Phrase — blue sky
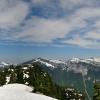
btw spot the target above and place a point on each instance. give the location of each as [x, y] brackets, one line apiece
[49, 29]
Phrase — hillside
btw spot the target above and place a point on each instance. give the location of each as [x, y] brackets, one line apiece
[72, 72]
[34, 76]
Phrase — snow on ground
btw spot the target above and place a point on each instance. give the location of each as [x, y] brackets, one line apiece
[25, 75]
[20, 92]
[7, 79]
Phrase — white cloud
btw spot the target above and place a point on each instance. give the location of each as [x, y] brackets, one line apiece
[95, 32]
[79, 42]
[87, 12]
[93, 35]
[88, 39]
[39, 2]
[78, 69]
[70, 4]
[12, 13]
[84, 42]
[45, 30]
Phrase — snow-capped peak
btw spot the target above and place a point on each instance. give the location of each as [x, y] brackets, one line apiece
[57, 61]
[42, 61]
[94, 59]
[87, 60]
[3, 63]
[75, 60]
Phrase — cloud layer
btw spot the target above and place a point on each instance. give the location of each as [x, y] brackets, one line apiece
[61, 22]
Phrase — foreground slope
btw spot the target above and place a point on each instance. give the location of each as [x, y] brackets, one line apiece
[20, 92]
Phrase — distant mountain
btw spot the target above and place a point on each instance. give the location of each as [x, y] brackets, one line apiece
[48, 63]
[65, 62]
[69, 65]
[88, 60]
[3, 64]
[72, 71]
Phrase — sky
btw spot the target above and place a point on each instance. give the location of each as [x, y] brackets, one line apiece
[49, 29]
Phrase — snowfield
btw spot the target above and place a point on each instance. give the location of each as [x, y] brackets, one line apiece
[20, 92]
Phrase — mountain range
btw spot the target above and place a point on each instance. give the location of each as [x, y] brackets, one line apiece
[33, 74]
[76, 73]
[72, 72]
[3, 64]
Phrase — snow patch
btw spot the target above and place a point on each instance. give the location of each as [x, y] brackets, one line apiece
[26, 75]
[75, 60]
[20, 92]
[47, 64]
[7, 79]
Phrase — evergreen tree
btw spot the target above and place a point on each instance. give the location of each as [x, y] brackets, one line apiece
[2, 78]
[19, 73]
[96, 95]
